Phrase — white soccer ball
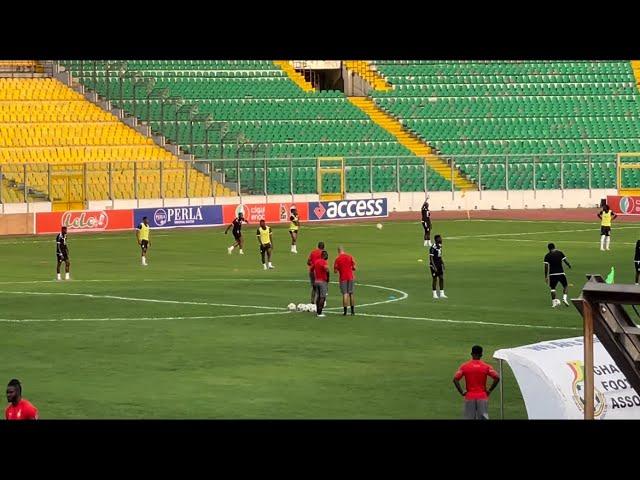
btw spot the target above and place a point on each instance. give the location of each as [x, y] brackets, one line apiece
[379, 226]
[301, 307]
[313, 308]
[292, 307]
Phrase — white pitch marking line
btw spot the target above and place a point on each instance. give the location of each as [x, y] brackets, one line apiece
[135, 319]
[486, 235]
[465, 322]
[74, 239]
[150, 300]
[563, 241]
[403, 295]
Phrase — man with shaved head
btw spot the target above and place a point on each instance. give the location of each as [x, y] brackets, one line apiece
[344, 265]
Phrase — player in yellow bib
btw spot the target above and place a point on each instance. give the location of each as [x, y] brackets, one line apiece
[294, 226]
[265, 240]
[605, 216]
[142, 235]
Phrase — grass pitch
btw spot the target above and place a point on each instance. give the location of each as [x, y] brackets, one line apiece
[203, 334]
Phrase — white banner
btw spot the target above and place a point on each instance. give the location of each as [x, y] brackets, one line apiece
[316, 64]
[551, 379]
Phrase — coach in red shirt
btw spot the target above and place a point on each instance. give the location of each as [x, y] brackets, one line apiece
[475, 373]
[19, 408]
[313, 256]
[321, 275]
[344, 265]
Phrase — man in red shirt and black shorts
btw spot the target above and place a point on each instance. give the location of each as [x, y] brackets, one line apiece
[313, 256]
[344, 265]
[19, 408]
[321, 275]
[475, 373]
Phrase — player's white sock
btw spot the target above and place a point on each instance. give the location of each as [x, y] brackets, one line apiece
[264, 266]
[241, 252]
[144, 260]
[294, 249]
[270, 265]
[230, 249]
[66, 276]
[429, 243]
[60, 278]
[435, 294]
[426, 243]
[606, 242]
[565, 300]
[602, 237]
[442, 295]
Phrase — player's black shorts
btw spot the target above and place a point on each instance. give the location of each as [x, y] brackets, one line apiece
[265, 247]
[237, 235]
[144, 244]
[62, 257]
[637, 265]
[438, 271]
[605, 231]
[426, 226]
[555, 279]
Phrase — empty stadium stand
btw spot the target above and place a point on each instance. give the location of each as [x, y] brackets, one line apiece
[60, 145]
[274, 115]
[566, 116]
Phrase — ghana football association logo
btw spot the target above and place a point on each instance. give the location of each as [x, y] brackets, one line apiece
[577, 389]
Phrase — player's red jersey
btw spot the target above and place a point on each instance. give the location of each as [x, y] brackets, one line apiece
[24, 410]
[313, 256]
[320, 270]
[344, 264]
[475, 373]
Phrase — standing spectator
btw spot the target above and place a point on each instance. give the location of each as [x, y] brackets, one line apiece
[475, 373]
[19, 408]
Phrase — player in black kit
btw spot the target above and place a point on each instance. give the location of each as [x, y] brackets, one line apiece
[237, 233]
[436, 264]
[426, 223]
[62, 253]
[554, 274]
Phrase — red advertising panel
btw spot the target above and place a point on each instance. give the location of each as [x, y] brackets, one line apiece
[84, 221]
[271, 212]
[624, 205]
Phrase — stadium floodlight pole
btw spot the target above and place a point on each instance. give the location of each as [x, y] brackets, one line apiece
[207, 120]
[155, 93]
[138, 81]
[122, 73]
[187, 110]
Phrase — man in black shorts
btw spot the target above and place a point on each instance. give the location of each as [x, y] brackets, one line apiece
[62, 253]
[265, 240]
[554, 274]
[436, 264]
[426, 222]
[237, 233]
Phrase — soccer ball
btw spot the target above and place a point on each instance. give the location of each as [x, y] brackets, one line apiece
[313, 308]
[379, 226]
[292, 307]
[301, 307]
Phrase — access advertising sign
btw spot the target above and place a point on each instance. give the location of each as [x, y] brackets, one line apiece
[348, 209]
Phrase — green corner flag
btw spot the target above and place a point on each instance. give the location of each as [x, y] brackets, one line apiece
[612, 274]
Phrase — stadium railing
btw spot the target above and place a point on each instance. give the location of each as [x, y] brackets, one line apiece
[33, 182]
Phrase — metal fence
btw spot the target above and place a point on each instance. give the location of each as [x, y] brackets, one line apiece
[34, 182]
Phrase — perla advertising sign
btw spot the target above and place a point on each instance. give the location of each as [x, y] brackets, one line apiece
[171, 217]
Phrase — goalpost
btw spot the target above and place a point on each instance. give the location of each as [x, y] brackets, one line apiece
[627, 185]
[330, 166]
